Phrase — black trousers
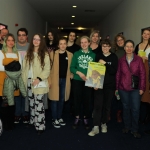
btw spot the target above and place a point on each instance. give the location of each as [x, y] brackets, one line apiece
[81, 96]
[102, 105]
[7, 116]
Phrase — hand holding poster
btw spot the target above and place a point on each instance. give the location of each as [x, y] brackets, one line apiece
[95, 75]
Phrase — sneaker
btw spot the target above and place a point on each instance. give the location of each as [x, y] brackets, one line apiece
[61, 122]
[25, 119]
[17, 119]
[55, 123]
[86, 123]
[104, 128]
[94, 131]
[136, 135]
[76, 123]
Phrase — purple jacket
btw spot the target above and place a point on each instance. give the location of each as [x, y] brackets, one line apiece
[123, 76]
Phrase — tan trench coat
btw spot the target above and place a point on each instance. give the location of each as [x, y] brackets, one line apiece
[54, 77]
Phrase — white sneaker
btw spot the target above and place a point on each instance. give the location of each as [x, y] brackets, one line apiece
[104, 128]
[94, 131]
[61, 122]
[56, 123]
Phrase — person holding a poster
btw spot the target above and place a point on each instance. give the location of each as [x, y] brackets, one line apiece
[81, 93]
[103, 97]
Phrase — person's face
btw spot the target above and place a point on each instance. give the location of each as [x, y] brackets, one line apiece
[72, 37]
[22, 37]
[4, 32]
[94, 75]
[62, 45]
[36, 41]
[120, 41]
[10, 42]
[146, 35]
[105, 48]
[85, 43]
[50, 36]
[129, 48]
[95, 38]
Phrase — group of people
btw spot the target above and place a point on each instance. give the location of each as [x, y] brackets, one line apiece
[56, 70]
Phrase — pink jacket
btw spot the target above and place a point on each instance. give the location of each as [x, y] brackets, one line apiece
[123, 76]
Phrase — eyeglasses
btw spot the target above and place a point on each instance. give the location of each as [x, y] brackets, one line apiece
[36, 40]
[21, 34]
[105, 46]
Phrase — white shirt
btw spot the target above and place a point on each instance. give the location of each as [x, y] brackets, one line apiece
[8, 55]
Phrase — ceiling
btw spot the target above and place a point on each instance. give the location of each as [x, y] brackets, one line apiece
[88, 13]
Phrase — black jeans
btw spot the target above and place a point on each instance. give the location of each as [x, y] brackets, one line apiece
[7, 116]
[81, 95]
[102, 105]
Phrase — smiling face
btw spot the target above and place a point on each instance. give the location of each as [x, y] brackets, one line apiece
[146, 35]
[95, 38]
[129, 48]
[85, 43]
[105, 48]
[120, 41]
[62, 45]
[4, 32]
[10, 42]
[36, 41]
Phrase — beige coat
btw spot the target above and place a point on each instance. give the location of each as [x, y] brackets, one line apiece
[54, 77]
[37, 72]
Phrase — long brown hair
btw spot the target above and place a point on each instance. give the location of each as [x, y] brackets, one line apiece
[41, 51]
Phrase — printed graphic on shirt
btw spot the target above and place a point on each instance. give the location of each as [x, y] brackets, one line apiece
[83, 61]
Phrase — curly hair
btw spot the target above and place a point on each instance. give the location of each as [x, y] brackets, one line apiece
[42, 50]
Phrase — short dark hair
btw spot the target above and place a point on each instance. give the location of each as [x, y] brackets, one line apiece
[23, 30]
[62, 38]
[106, 41]
[129, 41]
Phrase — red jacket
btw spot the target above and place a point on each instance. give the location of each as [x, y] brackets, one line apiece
[123, 76]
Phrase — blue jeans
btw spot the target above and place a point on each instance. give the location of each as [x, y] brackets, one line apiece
[57, 106]
[131, 108]
[20, 106]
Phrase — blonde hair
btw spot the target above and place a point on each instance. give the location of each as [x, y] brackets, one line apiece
[85, 37]
[91, 35]
[4, 48]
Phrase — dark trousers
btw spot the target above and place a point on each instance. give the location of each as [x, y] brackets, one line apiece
[7, 116]
[57, 106]
[131, 108]
[81, 95]
[102, 105]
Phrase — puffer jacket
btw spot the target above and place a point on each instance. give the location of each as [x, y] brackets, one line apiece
[123, 76]
[11, 83]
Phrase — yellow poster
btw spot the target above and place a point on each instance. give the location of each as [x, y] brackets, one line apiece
[95, 75]
[141, 53]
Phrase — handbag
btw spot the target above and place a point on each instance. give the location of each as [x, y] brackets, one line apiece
[4, 101]
[134, 80]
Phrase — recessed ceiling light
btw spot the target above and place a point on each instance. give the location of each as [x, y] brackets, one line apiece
[73, 16]
[72, 23]
[74, 6]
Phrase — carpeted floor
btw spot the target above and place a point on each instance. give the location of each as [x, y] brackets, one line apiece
[66, 138]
